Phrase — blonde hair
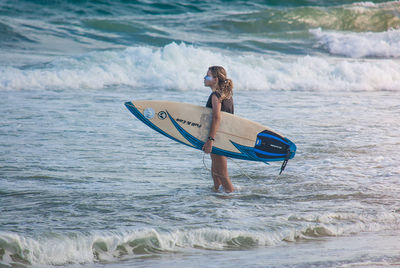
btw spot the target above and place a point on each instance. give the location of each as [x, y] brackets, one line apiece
[225, 85]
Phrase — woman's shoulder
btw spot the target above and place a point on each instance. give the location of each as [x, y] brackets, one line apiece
[216, 93]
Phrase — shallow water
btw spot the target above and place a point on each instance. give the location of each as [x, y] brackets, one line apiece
[84, 183]
[82, 176]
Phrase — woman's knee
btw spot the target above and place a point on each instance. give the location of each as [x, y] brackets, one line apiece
[217, 157]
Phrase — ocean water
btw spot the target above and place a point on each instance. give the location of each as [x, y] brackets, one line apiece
[85, 184]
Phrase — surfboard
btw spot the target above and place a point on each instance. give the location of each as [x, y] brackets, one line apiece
[236, 137]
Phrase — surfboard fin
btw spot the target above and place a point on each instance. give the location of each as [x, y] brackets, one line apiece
[285, 162]
[283, 166]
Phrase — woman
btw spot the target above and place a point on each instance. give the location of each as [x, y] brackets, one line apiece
[219, 100]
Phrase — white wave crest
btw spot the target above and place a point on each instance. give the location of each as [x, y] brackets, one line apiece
[182, 67]
[60, 249]
[360, 45]
[372, 4]
[56, 249]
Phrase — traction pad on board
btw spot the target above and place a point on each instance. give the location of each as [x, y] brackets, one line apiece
[271, 145]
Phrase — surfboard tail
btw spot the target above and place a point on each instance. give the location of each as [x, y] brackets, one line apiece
[273, 147]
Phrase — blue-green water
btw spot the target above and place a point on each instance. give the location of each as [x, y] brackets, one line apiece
[84, 183]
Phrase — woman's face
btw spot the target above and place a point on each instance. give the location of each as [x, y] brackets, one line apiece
[209, 80]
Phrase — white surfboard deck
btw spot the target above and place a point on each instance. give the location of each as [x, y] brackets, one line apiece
[189, 124]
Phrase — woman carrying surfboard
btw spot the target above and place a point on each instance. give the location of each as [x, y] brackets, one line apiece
[219, 100]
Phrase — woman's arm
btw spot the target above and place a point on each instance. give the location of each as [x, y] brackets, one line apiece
[216, 120]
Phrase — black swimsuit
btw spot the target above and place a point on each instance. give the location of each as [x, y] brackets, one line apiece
[226, 105]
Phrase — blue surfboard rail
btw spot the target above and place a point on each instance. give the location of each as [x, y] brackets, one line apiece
[245, 152]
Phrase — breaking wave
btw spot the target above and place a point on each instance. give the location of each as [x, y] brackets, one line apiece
[360, 45]
[181, 67]
[59, 249]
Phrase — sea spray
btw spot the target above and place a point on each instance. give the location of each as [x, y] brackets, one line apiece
[59, 249]
[181, 67]
[360, 45]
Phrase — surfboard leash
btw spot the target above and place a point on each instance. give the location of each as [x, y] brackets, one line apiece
[241, 169]
[243, 173]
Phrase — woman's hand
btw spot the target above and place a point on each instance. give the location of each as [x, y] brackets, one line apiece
[207, 147]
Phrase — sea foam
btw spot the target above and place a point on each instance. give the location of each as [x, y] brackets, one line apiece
[182, 67]
[113, 246]
[360, 45]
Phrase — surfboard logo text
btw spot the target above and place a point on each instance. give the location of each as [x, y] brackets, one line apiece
[189, 123]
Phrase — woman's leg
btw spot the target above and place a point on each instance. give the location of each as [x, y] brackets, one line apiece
[214, 173]
[220, 172]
